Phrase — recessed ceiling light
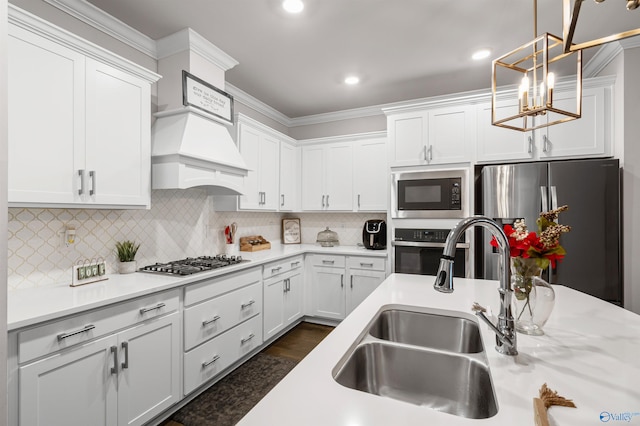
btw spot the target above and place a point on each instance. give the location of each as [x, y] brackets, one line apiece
[293, 6]
[481, 54]
[351, 80]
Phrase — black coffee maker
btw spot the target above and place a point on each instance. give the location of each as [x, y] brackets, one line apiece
[374, 234]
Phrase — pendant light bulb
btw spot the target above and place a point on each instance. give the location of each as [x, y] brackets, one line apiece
[293, 6]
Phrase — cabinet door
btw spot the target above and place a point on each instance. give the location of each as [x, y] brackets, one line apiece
[328, 292]
[450, 135]
[118, 136]
[585, 136]
[273, 315]
[361, 285]
[338, 176]
[407, 138]
[148, 381]
[370, 175]
[45, 85]
[293, 298]
[500, 144]
[74, 387]
[288, 177]
[250, 151]
[269, 172]
[313, 196]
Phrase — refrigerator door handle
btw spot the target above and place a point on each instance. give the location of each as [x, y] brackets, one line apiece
[543, 194]
[554, 198]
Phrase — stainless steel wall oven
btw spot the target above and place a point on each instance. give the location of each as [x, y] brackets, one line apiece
[418, 251]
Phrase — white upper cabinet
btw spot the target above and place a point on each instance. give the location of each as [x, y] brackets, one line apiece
[79, 121]
[327, 177]
[289, 177]
[261, 153]
[589, 136]
[431, 136]
[370, 174]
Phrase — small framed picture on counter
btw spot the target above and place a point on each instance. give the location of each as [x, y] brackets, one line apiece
[291, 231]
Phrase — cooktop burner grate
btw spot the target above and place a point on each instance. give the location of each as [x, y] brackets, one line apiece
[192, 265]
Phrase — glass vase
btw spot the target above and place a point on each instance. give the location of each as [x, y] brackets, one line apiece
[533, 297]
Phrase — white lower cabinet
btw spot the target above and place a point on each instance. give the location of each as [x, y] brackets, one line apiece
[222, 324]
[283, 295]
[340, 283]
[124, 378]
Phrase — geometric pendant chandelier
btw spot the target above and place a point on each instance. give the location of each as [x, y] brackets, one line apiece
[535, 69]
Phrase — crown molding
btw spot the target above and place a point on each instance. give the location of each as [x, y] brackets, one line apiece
[101, 20]
[188, 39]
[343, 138]
[244, 98]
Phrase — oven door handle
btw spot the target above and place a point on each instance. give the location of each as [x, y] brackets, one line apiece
[428, 245]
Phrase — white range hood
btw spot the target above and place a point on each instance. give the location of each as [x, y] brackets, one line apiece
[192, 149]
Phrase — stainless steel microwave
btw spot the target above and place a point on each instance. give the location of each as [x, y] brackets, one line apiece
[441, 194]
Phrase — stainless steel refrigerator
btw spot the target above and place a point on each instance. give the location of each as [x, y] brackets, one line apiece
[591, 189]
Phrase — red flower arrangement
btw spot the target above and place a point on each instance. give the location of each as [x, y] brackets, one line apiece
[545, 246]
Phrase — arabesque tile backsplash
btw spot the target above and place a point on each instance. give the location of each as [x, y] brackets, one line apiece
[180, 223]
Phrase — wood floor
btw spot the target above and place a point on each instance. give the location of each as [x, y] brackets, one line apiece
[295, 344]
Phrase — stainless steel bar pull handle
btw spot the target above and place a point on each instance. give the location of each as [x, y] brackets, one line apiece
[351, 282]
[323, 201]
[211, 361]
[530, 148]
[342, 280]
[328, 262]
[212, 320]
[543, 195]
[358, 200]
[145, 310]
[114, 351]
[369, 265]
[92, 175]
[264, 198]
[545, 143]
[125, 348]
[246, 305]
[425, 153]
[274, 270]
[246, 339]
[327, 200]
[86, 328]
[294, 264]
[430, 151]
[282, 203]
[554, 198]
[82, 181]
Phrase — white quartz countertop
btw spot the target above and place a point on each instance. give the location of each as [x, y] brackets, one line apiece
[34, 305]
[590, 353]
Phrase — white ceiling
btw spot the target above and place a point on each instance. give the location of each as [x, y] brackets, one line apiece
[402, 49]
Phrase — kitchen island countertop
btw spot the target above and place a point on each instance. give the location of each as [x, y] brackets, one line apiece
[35, 305]
[590, 353]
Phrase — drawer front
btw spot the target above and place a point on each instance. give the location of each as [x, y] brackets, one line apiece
[282, 266]
[213, 287]
[48, 338]
[207, 361]
[371, 263]
[210, 318]
[328, 260]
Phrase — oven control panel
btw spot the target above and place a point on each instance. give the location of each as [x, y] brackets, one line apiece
[423, 235]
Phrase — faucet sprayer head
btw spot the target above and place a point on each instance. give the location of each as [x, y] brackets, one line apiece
[444, 277]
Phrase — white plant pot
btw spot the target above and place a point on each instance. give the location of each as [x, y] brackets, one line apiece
[127, 267]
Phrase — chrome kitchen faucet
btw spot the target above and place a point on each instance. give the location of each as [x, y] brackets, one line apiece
[505, 329]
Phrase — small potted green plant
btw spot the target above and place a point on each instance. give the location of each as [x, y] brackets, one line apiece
[127, 256]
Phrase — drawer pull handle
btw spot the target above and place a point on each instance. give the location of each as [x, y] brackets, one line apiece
[351, 282]
[246, 339]
[114, 351]
[246, 305]
[207, 322]
[211, 361]
[125, 348]
[370, 265]
[276, 269]
[328, 262]
[145, 310]
[86, 328]
[295, 263]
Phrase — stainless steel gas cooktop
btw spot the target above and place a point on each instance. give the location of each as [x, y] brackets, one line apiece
[193, 265]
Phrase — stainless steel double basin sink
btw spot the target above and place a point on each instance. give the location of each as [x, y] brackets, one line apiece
[431, 358]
